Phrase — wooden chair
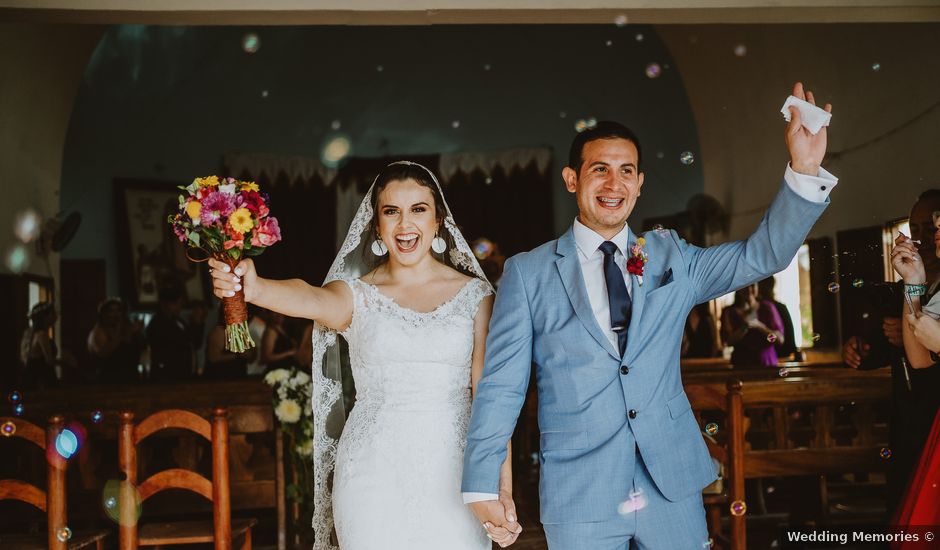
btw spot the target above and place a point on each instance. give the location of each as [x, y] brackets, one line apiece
[221, 529]
[52, 500]
[730, 455]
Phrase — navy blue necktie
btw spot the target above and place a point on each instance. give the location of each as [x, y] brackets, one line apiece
[617, 295]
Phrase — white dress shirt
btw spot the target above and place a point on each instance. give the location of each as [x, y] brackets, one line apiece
[812, 188]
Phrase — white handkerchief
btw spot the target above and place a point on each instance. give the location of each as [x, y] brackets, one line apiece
[812, 117]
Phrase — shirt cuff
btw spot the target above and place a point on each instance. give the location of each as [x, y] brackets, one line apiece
[812, 188]
[469, 498]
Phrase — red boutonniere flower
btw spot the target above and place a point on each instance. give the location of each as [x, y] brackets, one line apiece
[637, 260]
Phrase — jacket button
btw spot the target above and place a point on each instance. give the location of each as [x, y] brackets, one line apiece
[632, 413]
[624, 369]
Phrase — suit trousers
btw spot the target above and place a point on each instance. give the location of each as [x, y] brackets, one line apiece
[651, 522]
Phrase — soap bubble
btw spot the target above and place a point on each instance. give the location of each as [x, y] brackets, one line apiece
[26, 225]
[639, 37]
[251, 42]
[66, 444]
[64, 534]
[585, 124]
[114, 494]
[379, 68]
[816, 336]
[15, 396]
[19, 409]
[885, 453]
[858, 283]
[783, 373]
[620, 20]
[336, 125]
[562, 114]
[686, 158]
[660, 154]
[335, 151]
[711, 428]
[97, 416]
[653, 70]
[17, 258]
[487, 67]
[740, 50]
[8, 428]
[771, 337]
[264, 93]
[771, 489]
[876, 66]
[833, 287]
[455, 124]
[738, 508]
[637, 501]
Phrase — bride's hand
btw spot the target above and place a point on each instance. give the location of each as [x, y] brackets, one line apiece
[495, 519]
[225, 283]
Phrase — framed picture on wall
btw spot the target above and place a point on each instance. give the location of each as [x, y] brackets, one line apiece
[150, 254]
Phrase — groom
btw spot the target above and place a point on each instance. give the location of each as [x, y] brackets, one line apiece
[623, 461]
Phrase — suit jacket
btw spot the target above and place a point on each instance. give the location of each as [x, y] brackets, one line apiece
[598, 412]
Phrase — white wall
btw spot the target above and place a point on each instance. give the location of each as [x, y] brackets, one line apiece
[736, 103]
[40, 68]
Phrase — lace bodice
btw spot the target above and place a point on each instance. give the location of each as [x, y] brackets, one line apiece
[404, 439]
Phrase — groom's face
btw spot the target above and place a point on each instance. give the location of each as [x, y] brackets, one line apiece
[607, 185]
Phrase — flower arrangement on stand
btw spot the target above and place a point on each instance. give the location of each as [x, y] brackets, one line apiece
[292, 391]
[229, 220]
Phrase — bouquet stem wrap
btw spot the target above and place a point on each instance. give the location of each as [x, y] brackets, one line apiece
[237, 337]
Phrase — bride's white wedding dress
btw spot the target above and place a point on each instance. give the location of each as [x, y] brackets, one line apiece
[399, 461]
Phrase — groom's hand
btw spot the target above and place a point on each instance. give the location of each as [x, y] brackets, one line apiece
[806, 150]
[499, 519]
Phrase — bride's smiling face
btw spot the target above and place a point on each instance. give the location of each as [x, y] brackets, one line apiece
[406, 220]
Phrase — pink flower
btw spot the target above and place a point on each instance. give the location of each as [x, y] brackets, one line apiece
[216, 205]
[266, 233]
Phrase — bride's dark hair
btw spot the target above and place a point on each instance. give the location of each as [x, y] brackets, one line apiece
[400, 172]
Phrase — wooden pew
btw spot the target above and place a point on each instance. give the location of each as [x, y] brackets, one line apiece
[257, 477]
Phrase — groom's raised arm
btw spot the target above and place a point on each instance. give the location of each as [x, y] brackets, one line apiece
[720, 269]
[501, 391]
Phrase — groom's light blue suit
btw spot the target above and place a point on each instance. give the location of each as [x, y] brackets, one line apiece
[604, 419]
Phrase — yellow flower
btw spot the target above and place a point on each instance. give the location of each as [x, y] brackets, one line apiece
[209, 181]
[241, 221]
[193, 209]
[249, 186]
[641, 241]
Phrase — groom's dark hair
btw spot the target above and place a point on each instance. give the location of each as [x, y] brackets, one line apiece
[604, 129]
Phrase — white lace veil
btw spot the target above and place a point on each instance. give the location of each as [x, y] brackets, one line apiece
[329, 413]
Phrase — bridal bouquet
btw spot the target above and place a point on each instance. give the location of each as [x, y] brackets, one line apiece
[228, 220]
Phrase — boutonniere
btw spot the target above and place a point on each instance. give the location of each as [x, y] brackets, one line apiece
[637, 260]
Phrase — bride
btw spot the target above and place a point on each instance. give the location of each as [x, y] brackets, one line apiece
[407, 294]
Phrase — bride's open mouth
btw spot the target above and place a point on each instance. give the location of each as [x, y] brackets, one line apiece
[406, 242]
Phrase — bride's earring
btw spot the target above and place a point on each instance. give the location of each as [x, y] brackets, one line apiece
[379, 248]
[438, 245]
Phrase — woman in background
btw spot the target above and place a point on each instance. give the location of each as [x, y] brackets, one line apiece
[38, 350]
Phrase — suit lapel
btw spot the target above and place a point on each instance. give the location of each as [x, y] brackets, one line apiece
[569, 268]
[638, 295]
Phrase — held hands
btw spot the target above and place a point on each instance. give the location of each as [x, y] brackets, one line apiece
[498, 518]
[926, 330]
[907, 262]
[225, 283]
[806, 150]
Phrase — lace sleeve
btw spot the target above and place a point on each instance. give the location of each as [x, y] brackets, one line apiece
[470, 300]
[353, 285]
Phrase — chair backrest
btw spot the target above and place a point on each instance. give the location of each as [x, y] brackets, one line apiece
[216, 491]
[52, 500]
[731, 455]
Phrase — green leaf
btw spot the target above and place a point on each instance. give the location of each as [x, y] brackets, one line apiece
[194, 237]
[234, 253]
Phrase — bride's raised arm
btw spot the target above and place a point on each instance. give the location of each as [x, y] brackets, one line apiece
[330, 305]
